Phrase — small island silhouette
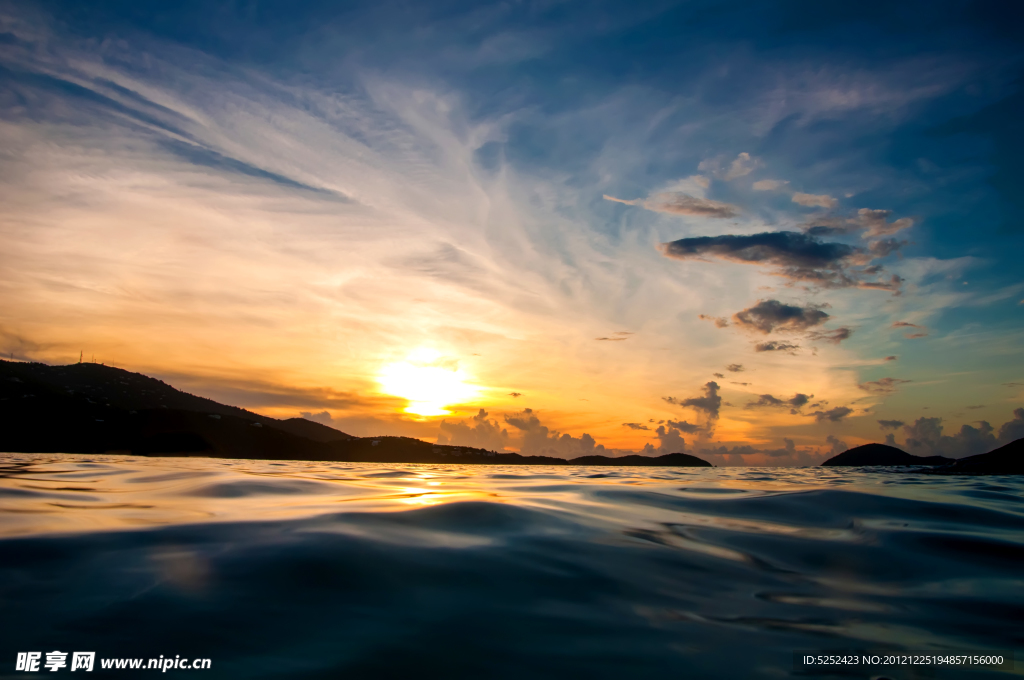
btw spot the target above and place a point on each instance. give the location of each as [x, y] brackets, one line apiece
[883, 454]
[92, 408]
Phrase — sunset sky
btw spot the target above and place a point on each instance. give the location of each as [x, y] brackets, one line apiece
[756, 232]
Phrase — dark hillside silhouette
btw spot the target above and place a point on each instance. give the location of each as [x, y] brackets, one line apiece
[1006, 460]
[883, 454]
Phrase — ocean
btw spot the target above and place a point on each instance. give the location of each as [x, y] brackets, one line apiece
[297, 569]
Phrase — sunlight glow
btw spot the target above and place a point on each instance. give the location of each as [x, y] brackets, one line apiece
[429, 381]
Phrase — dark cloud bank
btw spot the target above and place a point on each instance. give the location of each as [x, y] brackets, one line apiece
[796, 256]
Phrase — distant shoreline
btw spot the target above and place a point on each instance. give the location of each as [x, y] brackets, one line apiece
[96, 409]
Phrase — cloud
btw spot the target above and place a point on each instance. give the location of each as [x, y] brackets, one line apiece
[635, 426]
[720, 321]
[788, 450]
[795, 402]
[800, 257]
[882, 386]
[709, 404]
[925, 437]
[684, 426]
[871, 224]
[741, 166]
[670, 440]
[515, 395]
[780, 248]
[893, 284]
[788, 454]
[478, 432]
[830, 226]
[832, 415]
[734, 368]
[718, 375]
[885, 247]
[834, 336]
[678, 203]
[810, 200]
[323, 417]
[612, 339]
[15, 346]
[769, 316]
[255, 394]
[891, 357]
[875, 223]
[776, 346]
[1012, 430]
[799, 400]
[890, 424]
[537, 439]
[838, 446]
[911, 336]
[769, 184]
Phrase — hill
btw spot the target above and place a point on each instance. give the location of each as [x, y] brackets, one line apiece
[675, 459]
[882, 454]
[91, 408]
[114, 387]
[1006, 460]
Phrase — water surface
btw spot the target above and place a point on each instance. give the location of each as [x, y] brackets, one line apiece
[344, 570]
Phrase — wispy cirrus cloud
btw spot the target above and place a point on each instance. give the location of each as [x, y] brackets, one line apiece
[720, 167]
[834, 336]
[922, 331]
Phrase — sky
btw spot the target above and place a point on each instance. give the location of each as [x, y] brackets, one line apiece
[757, 232]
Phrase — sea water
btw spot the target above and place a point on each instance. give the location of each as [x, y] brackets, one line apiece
[285, 569]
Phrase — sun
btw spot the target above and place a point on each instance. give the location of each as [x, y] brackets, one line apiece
[429, 382]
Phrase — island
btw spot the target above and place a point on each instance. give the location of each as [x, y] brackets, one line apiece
[1006, 460]
[883, 454]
